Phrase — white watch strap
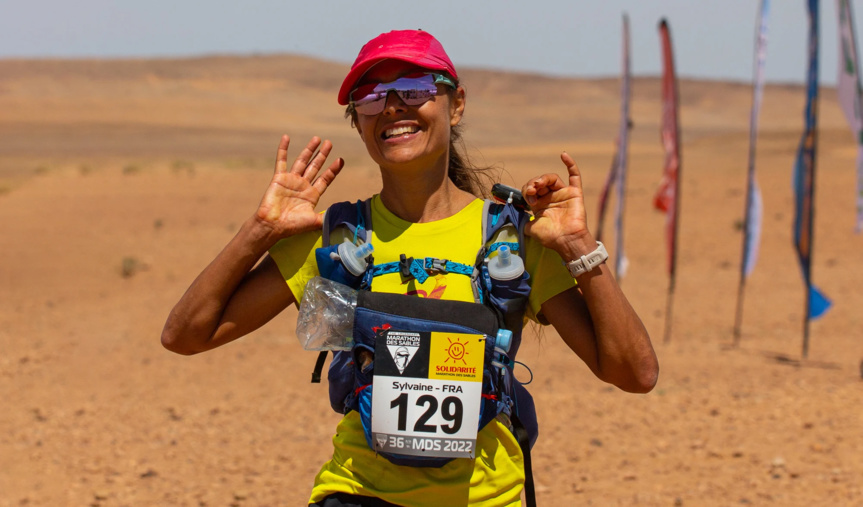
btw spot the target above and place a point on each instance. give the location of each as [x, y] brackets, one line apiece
[588, 262]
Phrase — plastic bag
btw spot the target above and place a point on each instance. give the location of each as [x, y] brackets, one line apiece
[326, 317]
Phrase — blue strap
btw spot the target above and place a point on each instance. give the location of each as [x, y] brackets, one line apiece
[385, 269]
[495, 215]
[419, 266]
[458, 267]
[418, 271]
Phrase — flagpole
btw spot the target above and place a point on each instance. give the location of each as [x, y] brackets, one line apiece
[738, 316]
[669, 307]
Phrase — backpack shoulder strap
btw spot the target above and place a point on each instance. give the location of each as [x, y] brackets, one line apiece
[495, 216]
[356, 217]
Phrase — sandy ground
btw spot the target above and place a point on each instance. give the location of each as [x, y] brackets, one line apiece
[120, 180]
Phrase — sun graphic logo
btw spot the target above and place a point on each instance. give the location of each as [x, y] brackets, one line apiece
[457, 356]
[456, 351]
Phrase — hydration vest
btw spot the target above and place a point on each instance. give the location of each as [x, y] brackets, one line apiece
[497, 313]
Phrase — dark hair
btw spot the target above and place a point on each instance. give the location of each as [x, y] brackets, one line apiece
[467, 176]
[464, 174]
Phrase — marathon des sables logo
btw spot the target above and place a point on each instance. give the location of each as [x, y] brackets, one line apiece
[403, 346]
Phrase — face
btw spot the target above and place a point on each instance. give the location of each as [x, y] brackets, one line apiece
[403, 134]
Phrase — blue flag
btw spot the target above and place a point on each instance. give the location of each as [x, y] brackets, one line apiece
[804, 176]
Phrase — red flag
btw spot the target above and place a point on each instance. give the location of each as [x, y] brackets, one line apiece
[667, 198]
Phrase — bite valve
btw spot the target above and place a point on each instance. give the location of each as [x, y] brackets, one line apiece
[354, 257]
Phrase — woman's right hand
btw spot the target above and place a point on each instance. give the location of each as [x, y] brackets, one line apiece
[288, 206]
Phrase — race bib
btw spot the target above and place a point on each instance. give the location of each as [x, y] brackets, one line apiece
[427, 393]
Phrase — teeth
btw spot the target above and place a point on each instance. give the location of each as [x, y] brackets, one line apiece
[397, 131]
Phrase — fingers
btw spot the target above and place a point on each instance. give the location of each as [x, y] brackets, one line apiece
[282, 154]
[324, 180]
[539, 187]
[302, 161]
[309, 162]
[572, 169]
[318, 161]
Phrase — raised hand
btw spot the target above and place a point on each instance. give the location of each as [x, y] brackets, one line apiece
[288, 205]
[560, 219]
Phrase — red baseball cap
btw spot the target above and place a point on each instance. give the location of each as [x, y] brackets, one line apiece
[412, 46]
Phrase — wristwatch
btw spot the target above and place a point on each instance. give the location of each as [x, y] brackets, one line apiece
[588, 262]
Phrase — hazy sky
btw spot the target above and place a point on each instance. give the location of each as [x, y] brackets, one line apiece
[712, 38]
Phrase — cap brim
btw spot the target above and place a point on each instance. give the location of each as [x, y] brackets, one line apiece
[351, 80]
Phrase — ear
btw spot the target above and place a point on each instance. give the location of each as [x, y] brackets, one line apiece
[458, 99]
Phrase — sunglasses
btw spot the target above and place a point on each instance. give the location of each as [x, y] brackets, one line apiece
[370, 99]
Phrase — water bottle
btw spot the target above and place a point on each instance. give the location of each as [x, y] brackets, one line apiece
[505, 265]
[326, 319]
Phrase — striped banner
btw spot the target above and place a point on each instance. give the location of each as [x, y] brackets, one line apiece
[667, 198]
[804, 183]
[617, 173]
[849, 91]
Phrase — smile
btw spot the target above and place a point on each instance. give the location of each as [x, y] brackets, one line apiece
[400, 131]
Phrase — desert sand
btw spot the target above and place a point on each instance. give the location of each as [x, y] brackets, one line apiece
[121, 179]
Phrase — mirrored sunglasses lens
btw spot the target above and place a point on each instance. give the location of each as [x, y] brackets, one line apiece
[370, 107]
[411, 90]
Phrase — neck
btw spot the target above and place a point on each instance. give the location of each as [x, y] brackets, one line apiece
[422, 195]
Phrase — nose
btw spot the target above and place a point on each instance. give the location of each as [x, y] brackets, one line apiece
[394, 103]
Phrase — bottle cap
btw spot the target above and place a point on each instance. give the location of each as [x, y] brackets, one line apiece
[505, 265]
[503, 340]
[354, 257]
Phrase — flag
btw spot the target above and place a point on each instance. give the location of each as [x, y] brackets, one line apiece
[667, 198]
[754, 208]
[804, 181]
[849, 91]
[617, 173]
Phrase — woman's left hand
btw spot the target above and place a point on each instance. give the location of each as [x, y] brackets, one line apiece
[560, 219]
[595, 319]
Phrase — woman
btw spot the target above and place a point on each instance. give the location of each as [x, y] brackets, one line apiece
[428, 198]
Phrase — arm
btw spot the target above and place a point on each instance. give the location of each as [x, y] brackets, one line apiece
[229, 299]
[595, 319]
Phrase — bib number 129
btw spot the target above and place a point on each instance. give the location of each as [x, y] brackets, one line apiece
[451, 411]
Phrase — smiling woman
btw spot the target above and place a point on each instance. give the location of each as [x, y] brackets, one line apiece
[432, 414]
